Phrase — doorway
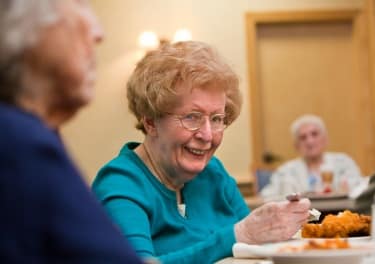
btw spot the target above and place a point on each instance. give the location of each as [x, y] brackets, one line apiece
[310, 62]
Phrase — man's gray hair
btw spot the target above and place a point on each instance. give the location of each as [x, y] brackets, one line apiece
[20, 24]
[307, 120]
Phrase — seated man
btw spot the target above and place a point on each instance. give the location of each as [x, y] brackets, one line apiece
[306, 173]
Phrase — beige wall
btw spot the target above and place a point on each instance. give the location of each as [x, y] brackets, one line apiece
[98, 132]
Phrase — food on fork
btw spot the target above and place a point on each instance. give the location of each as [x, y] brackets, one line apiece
[314, 215]
[345, 224]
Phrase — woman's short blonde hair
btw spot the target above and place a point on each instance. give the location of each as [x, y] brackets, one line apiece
[152, 87]
[307, 120]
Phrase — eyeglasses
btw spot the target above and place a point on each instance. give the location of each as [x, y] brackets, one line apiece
[194, 121]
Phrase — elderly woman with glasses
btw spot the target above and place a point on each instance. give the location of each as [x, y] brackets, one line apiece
[169, 195]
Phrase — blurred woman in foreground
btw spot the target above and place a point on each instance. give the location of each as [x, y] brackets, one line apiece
[47, 70]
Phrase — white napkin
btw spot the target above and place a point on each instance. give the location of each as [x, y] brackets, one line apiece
[242, 250]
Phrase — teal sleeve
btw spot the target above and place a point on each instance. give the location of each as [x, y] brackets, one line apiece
[238, 203]
[127, 209]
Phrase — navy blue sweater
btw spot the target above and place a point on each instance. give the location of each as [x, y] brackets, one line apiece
[48, 214]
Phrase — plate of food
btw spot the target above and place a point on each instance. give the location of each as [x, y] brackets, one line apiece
[322, 251]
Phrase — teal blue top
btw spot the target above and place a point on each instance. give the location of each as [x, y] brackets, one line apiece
[146, 211]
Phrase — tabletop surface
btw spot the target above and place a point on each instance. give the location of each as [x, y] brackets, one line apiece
[323, 205]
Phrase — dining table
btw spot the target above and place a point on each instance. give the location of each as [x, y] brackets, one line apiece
[361, 251]
[325, 204]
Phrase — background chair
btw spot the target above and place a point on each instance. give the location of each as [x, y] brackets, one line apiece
[262, 177]
[364, 201]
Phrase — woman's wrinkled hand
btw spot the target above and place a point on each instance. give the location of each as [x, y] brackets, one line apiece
[274, 221]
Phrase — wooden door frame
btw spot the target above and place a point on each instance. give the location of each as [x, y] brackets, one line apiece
[370, 13]
[253, 20]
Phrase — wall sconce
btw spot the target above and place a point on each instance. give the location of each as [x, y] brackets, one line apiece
[149, 40]
[182, 34]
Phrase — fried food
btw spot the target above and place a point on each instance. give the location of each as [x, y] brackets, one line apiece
[336, 243]
[345, 224]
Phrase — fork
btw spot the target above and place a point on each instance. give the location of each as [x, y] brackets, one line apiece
[314, 214]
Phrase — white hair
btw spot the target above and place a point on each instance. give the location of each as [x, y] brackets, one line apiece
[21, 22]
[307, 120]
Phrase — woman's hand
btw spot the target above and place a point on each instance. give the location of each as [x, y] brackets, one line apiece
[274, 221]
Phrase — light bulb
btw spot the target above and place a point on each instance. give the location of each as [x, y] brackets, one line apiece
[182, 35]
[148, 40]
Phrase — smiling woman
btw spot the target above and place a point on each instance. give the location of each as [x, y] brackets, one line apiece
[183, 96]
[170, 195]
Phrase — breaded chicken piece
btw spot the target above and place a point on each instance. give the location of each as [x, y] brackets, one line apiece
[345, 224]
